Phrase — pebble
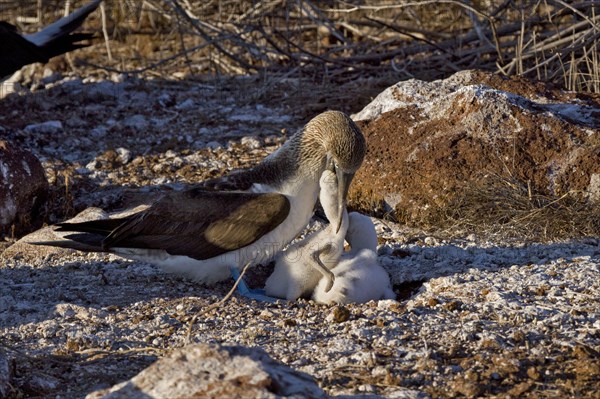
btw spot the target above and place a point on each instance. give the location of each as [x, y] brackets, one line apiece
[44, 127]
[101, 90]
[42, 383]
[186, 105]
[430, 241]
[338, 314]
[137, 122]
[251, 142]
[214, 145]
[86, 170]
[124, 155]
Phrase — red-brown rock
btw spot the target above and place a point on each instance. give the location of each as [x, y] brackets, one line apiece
[429, 141]
[23, 189]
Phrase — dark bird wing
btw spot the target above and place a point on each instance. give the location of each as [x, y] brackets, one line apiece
[18, 50]
[64, 26]
[197, 223]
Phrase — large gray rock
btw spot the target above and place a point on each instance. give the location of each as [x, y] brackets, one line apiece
[213, 371]
[430, 141]
[23, 189]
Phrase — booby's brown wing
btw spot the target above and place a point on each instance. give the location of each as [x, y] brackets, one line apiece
[201, 223]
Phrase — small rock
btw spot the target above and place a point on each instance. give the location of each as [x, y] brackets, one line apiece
[287, 323]
[165, 100]
[266, 314]
[430, 241]
[41, 384]
[213, 145]
[102, 90]
[64, 310]
[366, 388]
[20, 203]
[124, 155]
[251, 142]
[44, 127]
[137, 160]
[137, 122]
[533, 373]
[452, 305]
[432, 302]
[83, 171]
[338, 314]
[119, 77]
[159, 168]
[593, 188]
[93, 165]
[186, 105]
[170, 154]
[519, 389]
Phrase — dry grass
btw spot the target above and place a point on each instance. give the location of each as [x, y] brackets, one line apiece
[504, 207]
[550, 40]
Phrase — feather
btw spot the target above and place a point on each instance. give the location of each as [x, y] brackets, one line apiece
[19, 50]
[197, 223]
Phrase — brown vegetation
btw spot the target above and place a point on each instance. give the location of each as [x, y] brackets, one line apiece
[337, 41]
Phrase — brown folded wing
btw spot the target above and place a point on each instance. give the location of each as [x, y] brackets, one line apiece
[201, 223]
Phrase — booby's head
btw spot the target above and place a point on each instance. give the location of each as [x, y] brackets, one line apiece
[361, 233]
[344, 146]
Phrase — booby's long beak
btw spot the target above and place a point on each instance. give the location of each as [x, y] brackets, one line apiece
[343, 181]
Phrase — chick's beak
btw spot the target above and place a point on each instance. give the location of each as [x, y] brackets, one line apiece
[343, 181]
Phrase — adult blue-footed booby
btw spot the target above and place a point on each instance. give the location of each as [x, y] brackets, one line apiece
[246, 216]
[358, 276]
[17, 50]
[299, 268]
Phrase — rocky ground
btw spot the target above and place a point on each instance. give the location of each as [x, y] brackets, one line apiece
[474, 316]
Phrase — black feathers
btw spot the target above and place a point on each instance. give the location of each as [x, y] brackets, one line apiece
[17, 50]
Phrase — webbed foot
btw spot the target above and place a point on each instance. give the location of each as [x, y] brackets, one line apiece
[252, 293]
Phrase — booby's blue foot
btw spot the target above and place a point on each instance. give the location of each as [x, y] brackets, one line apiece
[256, 293]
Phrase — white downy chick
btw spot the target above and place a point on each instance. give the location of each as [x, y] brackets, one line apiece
[358, 276]
[296, 270]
